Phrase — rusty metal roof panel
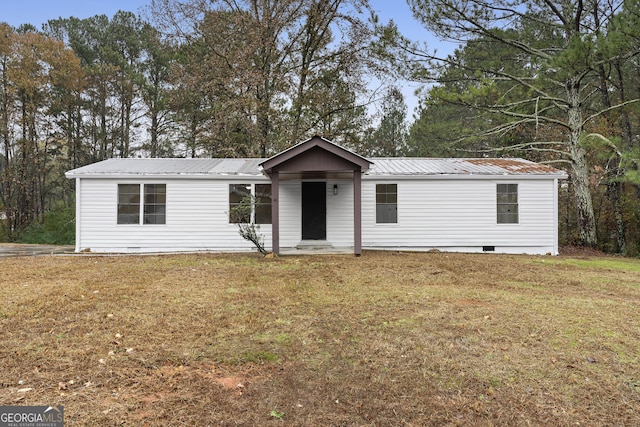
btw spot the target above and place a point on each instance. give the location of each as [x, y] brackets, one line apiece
[429, 166]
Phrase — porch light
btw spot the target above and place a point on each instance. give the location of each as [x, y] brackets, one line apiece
[335, 189]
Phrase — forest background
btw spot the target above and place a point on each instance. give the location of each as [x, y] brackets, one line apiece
[556, 82]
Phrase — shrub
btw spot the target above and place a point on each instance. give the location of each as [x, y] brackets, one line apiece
[247, 229]
[58, 228]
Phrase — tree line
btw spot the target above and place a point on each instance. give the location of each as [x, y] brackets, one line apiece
[555, 82]
[221, 79]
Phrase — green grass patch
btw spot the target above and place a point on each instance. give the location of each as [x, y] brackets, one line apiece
[625, 264]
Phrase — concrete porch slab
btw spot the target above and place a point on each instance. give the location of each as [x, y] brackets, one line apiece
[316, 250]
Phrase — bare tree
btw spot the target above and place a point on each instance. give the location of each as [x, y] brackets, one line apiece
[263, 68]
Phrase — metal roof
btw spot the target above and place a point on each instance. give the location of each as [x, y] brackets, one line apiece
[428, 166]
[251, 167]
[169, 167]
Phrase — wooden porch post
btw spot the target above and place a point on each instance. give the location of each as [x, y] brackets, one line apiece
[275, 212]
[357, 212]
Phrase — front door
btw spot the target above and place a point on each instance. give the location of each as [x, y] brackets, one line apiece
[314, 211]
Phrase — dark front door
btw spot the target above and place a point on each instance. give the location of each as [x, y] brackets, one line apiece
[314, 210]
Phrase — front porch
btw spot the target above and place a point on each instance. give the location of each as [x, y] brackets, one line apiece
[308, 195]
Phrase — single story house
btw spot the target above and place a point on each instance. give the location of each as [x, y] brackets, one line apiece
[318, 194]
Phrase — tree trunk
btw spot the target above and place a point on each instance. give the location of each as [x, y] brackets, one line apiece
[613, 185]
[6, 186]
[154, 133]
[613, 191]
[580, 170]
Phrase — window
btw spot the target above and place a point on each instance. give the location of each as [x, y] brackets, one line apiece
[153, 208]
[507, 203]
[386, 203]
[155, 203]
[259, 212]
[128, 203]
[263, 204]
[237, 193]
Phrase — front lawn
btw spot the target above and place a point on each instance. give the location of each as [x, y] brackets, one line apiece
[385, 339]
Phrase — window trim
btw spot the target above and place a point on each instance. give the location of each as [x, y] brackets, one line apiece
[516, 204]
[385, 224]
[141, 204]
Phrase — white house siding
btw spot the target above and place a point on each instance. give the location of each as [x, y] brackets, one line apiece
[340, 213]
[196, 218]
[460, 215]
[290, 213]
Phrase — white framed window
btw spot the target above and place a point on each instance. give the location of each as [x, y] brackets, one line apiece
[238, 194]
[386, 203]
[155, 204]
[507, 203]
[151, 208]
[259, 195]
[128, 203]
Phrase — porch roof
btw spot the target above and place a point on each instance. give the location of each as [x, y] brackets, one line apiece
[315, 155]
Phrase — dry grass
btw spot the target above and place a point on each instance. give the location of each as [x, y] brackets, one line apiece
[385, 339]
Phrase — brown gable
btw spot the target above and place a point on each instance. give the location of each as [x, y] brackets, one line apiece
[315, 155]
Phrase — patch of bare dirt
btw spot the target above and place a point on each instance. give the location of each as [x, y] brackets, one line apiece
[584, 251]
